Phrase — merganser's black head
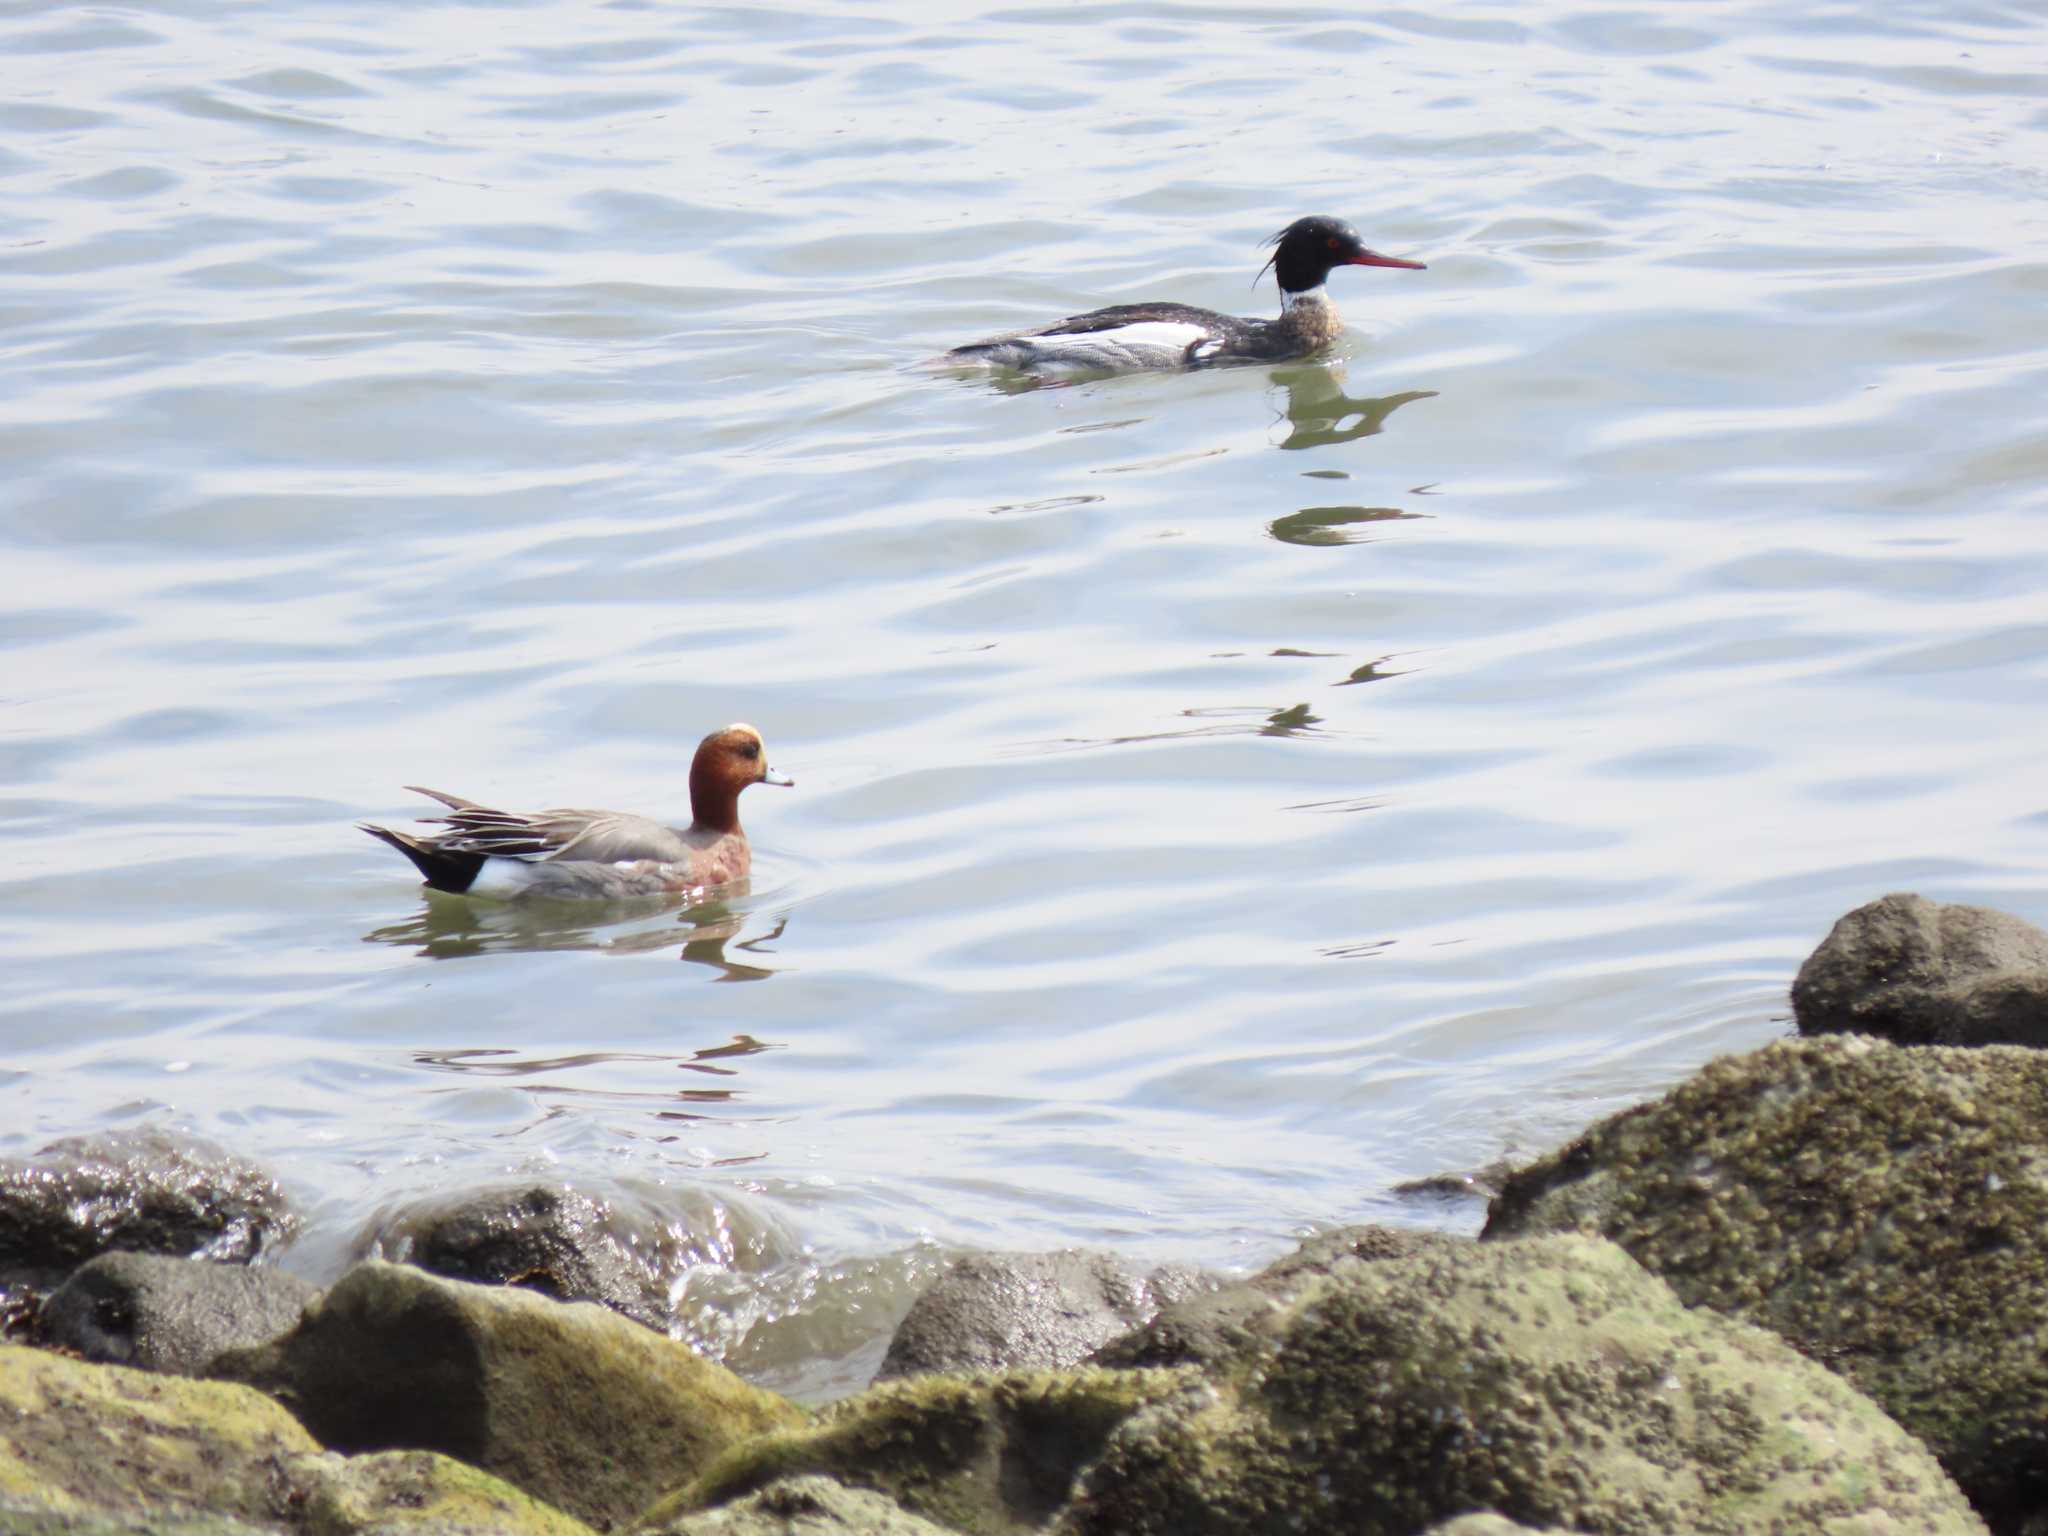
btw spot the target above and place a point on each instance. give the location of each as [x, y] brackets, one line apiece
[1305, 250]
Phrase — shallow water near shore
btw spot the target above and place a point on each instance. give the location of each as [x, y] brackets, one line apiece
[1219, 797]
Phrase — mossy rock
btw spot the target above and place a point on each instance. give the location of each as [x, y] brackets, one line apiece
[1884, 1208]
[105, 1441]
[992, 1455]
[1551, 1381]
[396, 1493]
[803, 1506]
[569, 1402]
[1213, 1325]
[106, 1449]
[20, 1519]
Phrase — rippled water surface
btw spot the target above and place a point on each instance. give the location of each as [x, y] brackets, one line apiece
[1220, 797]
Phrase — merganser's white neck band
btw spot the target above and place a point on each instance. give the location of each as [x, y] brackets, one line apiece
[1316, 295]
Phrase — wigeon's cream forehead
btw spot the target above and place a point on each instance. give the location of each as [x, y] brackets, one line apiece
[735, 737]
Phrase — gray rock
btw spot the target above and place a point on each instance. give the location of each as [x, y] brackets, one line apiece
[1551, 1381]
[801, 1506]
[1191, 1332]
[1884, 1208]
[1002, 1311]
[1919, 972]
[560, 1242]
[569, 1403]
[1456, 1187]
[1211, 1326]
[170, 1314]
[625, 1248]
[138, 1192]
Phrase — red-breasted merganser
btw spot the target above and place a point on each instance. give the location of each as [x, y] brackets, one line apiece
[604, 854]
[1127, 336]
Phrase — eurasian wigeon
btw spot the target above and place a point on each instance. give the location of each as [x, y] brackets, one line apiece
[597, 853]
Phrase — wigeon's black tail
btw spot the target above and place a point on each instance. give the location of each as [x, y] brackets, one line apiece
[442, 868]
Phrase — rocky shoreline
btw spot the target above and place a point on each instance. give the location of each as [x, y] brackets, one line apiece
[1802, 1291]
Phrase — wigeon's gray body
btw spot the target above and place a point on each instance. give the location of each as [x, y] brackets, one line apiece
[1126, 337]
[601, 854]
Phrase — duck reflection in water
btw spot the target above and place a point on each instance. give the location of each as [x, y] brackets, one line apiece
[1320, 413]
[502, 1061]
[449, 928]
[623, 1077]
[1313, 526]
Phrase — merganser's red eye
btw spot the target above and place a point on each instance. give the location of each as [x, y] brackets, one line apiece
[1333, 242]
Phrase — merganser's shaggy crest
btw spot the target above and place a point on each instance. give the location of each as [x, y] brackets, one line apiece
[1128, 336]
[597, 853]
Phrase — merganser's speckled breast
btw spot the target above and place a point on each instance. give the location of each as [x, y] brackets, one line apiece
[1133, 336]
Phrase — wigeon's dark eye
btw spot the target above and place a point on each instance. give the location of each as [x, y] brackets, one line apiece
[750, 750]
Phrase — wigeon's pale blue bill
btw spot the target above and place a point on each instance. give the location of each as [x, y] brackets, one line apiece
[770, 776]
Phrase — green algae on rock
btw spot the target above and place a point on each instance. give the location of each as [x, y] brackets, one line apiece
[1884, 1208]
[397, 1491]
[569, 1402]
[19, 1518]
[992, 1455]
[93, 1440]
[1211, 1326]
[107, 1449]
[804, 1506]
[1551, 1380]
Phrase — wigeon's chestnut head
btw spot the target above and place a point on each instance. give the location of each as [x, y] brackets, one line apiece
[727, 762]
[605, 854]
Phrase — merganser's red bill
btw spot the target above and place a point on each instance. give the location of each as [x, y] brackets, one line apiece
[1375, 259]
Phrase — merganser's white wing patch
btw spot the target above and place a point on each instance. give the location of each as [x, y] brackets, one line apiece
[1178, 335]
[1143, 344]
[502, 877]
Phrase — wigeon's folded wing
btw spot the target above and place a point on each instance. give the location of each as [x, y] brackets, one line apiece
[609, 837]
[603, 837]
